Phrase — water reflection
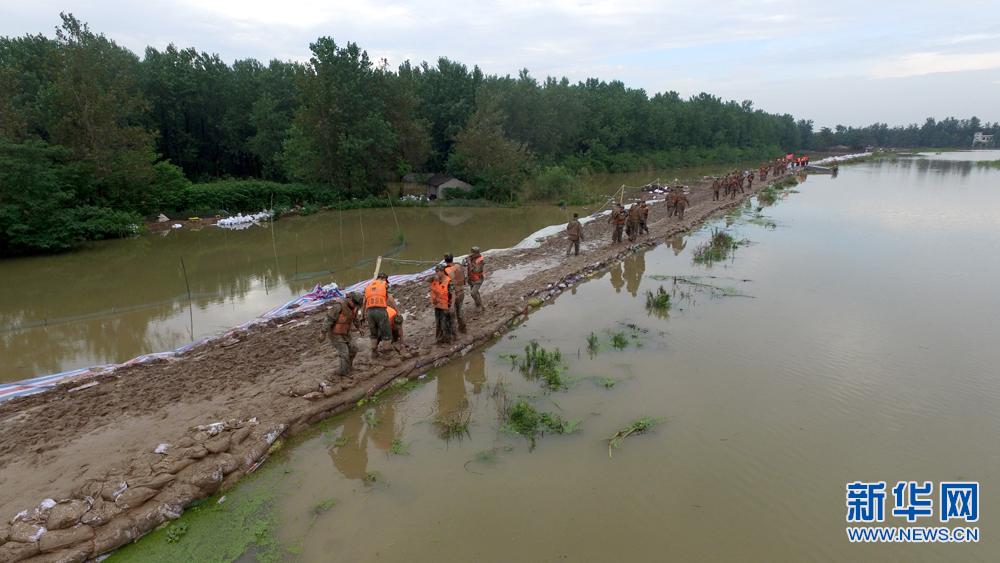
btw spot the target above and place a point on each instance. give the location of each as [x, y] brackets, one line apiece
[617, 281]
[475, 371]
[856, 372]
[678, 244]
[376, 425]
[351, 458]
[62, 312]
[635, 268]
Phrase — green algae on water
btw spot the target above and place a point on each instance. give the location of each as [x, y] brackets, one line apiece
[214, 532]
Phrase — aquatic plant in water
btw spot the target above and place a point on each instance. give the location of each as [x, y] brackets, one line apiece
[592, 343]
[399, 448]
[658, 301]
[527, 421]
[176, 531]
[619, 340]
[209, 531]
[542, 364]
[323, 506]
[608, 382]
[454, 425]
[717, 248]
[638, 426]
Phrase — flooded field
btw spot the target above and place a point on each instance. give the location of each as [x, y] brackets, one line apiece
[849, 336]
[118, 299]
[115, 300]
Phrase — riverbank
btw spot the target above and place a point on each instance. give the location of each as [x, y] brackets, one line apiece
[128, 450]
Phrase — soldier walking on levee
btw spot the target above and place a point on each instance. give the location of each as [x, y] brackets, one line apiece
[574, 232]
[475, 268]
[340, 318]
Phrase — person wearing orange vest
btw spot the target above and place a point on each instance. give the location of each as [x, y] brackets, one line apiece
[340, 318]
[457, 275]
[377, 299]
[441, 301]
[395, 325]
[474, 267]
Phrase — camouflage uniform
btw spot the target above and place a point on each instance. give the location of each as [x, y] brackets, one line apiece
[342, 343]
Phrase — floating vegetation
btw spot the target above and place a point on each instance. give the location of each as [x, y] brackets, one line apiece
[485, 457]
[767, 196]
[371, 477]
[370, 419]
[719, 247]
[544, 365]
[176, 531]
[639, 426]
[399, 448]
[770, 194]
[322, 507]
[619, 340]
[371, 400]
[763, 221]
[525, 420]
[658, 301]
[681, 285]
[592, 343]
[209, 531]
[607, 382]
[406, 385]
[454, 425]
[512, 358]
[340, 441]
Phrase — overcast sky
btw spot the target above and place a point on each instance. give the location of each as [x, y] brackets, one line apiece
[847, 62]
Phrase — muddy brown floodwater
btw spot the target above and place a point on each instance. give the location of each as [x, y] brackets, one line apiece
[115, 300]
[118, 299]
[852, 338]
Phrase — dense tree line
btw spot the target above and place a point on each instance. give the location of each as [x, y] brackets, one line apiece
[946, 133]
[93, 137]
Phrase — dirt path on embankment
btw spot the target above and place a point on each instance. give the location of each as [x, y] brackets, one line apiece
[121, 456]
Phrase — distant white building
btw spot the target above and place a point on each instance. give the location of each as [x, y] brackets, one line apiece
[980, 138]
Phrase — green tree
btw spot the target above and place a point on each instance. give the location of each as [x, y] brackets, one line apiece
[94, 107]
[340, 134]
[496, 165]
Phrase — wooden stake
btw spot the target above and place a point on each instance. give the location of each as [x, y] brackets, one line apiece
[378, 266]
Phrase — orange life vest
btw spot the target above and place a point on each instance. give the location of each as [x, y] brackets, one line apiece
[439, 293]
[377, 294]
[392, 317]
[450, 270]
[346, 318]
[477, 264]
